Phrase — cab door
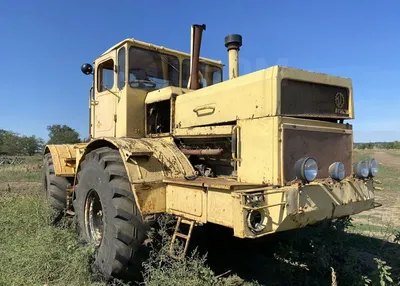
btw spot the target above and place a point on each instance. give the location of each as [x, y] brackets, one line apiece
[105, 96]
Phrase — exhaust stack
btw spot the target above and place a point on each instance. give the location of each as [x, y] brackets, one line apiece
[233, 43]
[197, 31]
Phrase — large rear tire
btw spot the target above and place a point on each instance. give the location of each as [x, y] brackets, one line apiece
[108, 217]
[54, 189]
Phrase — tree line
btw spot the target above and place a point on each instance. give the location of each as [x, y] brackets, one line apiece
[15, 144]
[378, 145]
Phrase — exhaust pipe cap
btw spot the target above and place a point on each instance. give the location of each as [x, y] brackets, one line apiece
[233, 41]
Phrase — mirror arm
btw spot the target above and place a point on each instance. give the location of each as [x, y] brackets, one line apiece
[111, 91]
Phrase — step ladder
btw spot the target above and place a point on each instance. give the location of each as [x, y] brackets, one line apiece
[185, 237]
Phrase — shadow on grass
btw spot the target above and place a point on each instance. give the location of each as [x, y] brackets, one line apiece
[309, 256]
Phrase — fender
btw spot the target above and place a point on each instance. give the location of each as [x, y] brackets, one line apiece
[63, 159]
[147, 161]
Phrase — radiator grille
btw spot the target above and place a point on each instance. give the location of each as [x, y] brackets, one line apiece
[314, 100]
[324, 147]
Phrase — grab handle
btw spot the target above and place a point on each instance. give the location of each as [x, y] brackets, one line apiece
[202, 108]
[235, 143]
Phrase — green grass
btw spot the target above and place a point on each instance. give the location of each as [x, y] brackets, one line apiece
[34, 253]
[36, 159]
[30, 171]
[390, 178]
[371, 219]
[20, 173]
[370, 227]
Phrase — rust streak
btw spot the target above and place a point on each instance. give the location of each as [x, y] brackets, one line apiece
[209, 152]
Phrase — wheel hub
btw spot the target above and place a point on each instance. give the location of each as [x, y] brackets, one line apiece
[94, 217]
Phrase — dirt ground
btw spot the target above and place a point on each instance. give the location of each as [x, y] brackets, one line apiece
[388, 158]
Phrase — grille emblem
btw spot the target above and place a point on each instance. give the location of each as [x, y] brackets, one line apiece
[339, 100]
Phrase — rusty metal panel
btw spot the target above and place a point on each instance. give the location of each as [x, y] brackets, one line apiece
[162, 158]
[239, 217]
[260, 94]
[164, 94]
[318, 200]
[295, 206]
[79, 152]
[326, 147]
[204, 131]
[311, 99]
[189, 202]
[64, 159]
[265, 155]
[131, 116]
[248, 96]
[147, 162]
[272, 208]
[151, 198]
[258, 151]
[220, 183]
[219, 207]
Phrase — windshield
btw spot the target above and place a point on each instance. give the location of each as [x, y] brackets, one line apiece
[152, 70]
[209, 74]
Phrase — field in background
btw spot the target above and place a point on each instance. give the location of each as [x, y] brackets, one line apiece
[382, 222]
[346, 253]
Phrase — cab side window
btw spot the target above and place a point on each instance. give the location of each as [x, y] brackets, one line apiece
[121, 68]
[105, 76]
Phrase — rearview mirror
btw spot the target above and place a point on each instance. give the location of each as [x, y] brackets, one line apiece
[87, 69]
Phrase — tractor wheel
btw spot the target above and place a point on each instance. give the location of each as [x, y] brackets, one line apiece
[54, 189]
[107, 215]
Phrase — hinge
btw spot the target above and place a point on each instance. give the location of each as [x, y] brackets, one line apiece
[115, 117]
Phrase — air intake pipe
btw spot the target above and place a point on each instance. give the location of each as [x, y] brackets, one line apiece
[233, 43]
[197, 31]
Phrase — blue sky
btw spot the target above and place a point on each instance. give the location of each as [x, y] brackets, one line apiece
[44, 43]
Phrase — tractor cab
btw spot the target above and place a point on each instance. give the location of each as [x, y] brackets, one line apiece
[125, 73]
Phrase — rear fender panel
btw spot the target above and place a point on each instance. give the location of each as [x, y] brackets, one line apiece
[64, 159]
[147, 162]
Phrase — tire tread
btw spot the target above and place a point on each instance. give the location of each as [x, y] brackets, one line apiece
[56, 191]
[129, 226]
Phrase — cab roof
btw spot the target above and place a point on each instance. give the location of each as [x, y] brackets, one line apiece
[161, 49]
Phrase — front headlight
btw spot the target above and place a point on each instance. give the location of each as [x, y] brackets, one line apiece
[372, 167]
[306, 169]
[337, 171]
[361, 169]
[256, 220]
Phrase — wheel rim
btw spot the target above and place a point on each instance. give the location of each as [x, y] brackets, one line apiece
[94, 217]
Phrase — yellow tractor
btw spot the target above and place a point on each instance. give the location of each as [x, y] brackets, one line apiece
[259, 153]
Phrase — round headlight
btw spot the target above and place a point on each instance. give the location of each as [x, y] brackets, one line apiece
[361, 169]
[373, 167]
[336, 171]
[256, 220]
[306, 169]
